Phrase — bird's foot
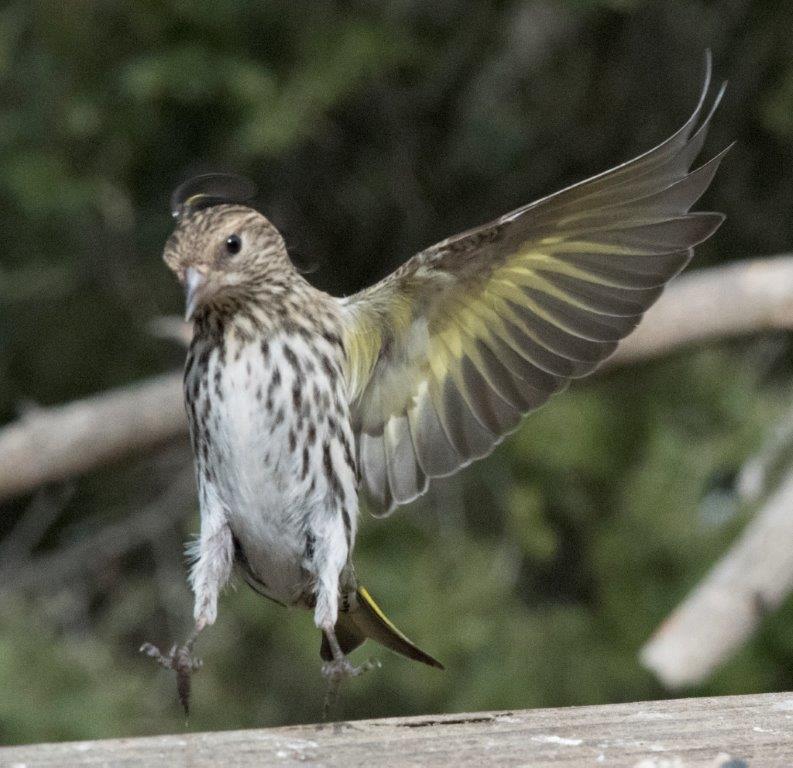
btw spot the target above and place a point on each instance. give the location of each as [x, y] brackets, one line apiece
[340, 669]
[181, 660]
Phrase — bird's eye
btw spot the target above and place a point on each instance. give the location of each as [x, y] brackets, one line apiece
[233, 244]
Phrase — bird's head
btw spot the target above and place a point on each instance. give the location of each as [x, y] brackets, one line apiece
[222, 252]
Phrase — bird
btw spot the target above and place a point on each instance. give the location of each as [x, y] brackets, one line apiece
[297, 399]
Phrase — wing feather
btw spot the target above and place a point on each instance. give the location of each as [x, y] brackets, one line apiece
[372, 462]
[406, 479]
[435, 453]
[445, 355]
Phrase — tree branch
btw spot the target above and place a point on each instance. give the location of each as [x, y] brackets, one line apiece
[52, 444]
[751, 580]
[716, 303]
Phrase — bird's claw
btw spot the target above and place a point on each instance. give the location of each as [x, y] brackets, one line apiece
[337, 670]
[340, 669]
[181, 660]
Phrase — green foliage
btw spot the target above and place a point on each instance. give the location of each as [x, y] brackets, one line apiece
[373, 130]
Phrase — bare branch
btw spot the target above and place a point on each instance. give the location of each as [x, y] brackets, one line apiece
[721, 302]
[52, 444]
[760, 470]
[752, 579]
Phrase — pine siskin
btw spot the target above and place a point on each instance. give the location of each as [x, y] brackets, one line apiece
[294, 396]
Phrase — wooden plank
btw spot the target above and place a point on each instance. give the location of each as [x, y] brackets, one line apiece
[727, 732]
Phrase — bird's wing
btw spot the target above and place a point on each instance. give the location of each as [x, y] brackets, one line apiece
[446, 354]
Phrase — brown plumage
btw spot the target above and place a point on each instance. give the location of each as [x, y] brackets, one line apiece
[294, 395]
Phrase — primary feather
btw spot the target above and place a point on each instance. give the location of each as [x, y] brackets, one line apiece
[447, 354]
[294, 395]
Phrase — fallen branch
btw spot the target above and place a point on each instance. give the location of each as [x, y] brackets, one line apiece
[751, 580]
[717, 303]
[52, 444]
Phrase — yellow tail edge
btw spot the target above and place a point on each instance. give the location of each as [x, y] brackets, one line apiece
[367, 620]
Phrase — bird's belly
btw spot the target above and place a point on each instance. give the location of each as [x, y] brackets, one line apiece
[271, 555]
[270, 442]
[265, 505]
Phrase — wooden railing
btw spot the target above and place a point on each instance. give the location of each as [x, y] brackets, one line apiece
[729, 732]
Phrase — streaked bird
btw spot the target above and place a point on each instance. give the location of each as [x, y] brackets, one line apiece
[296, 398]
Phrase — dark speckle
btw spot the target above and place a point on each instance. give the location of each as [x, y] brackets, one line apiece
[348, 459]
[291, 358]
[310, 544]
[328, 366]
[275, 382]
[333, 338]
[330, 472]
[218, 377]
[297, 396]
[345, 515]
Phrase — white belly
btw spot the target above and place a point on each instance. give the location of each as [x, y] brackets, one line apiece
[267, 431]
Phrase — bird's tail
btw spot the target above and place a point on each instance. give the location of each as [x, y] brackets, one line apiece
[365, 619]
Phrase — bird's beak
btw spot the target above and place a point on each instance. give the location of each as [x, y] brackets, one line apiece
[195, 284]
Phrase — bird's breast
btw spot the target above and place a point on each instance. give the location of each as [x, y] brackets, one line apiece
[270, 428]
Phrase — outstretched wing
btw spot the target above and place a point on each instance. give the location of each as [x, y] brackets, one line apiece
[445, 355]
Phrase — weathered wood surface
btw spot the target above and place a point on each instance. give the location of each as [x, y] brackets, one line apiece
[730, 732]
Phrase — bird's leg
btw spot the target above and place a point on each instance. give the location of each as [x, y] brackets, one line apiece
[209, 574]
[331, 553]
[339, 669]
[181, 660]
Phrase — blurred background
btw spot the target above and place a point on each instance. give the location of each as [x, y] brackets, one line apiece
[373, 130]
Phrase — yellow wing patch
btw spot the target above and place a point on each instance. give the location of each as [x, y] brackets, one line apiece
[445, 355]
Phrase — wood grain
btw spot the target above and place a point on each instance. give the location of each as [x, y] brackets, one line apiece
[728, 732]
